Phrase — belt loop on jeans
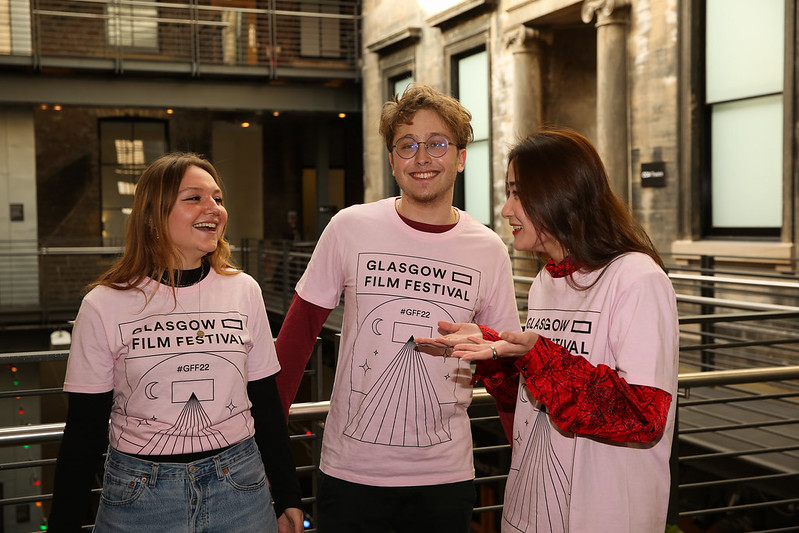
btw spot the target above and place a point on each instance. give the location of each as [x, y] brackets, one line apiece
[153, 476]
[220, 470]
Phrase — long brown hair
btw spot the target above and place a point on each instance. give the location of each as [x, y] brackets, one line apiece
[563, 187]
[149, 252]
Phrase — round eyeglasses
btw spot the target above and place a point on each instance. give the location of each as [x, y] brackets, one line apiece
[436, 146]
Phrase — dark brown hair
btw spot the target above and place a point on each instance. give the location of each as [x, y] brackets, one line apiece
[148, 249]
[400, 110]
[564, 190]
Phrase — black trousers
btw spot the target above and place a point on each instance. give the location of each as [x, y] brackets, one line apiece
[345, 507]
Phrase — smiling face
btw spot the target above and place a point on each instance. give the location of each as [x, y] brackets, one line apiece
[198, 218]
[426, 180]
[526, 237]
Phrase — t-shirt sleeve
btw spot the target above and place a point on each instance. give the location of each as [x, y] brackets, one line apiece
[262, 359]
[644, 335]
[90, 366]
[500, 311]
[323, 280]
[592, 400]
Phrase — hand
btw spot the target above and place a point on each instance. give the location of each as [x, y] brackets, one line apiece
[452, 334]
[291, 521]
[513, 344]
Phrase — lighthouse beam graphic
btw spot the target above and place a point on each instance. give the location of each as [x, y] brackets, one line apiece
[401, 408]
[192, 431]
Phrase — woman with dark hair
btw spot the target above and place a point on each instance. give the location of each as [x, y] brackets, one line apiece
[592, 377]
[173, 344]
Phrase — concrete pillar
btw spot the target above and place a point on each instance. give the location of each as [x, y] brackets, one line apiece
[527, 45]
[612, 102]
[18, 209]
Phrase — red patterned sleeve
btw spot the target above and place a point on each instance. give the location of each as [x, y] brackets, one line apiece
[592, 400]
[501, 380]
[500, 377]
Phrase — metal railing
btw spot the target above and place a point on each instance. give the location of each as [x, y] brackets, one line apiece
[737, 317]
[273, 38]
[766, 467]
[737, 422]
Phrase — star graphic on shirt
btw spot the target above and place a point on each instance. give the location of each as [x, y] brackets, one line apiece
[366, 367]
[376, 352]
[231, 406]
[446, 377]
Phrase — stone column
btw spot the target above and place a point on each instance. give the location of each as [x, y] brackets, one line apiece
[527, 45]
[612, 20]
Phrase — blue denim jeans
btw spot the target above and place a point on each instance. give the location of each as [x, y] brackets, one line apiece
[226, 492]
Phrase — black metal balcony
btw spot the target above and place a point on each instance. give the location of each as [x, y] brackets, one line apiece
[264, 38]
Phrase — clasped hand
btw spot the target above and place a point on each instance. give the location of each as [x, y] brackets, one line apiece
[466, 342]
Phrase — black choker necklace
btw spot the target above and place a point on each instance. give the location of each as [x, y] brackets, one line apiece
[185, 278]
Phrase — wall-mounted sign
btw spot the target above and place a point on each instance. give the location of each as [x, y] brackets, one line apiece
[653, 174]
[16, 212]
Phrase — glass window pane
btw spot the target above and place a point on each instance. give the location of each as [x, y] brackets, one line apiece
[5, 29]
[15, 27]
[473, 91]
[477, 182]
[747, 163]
[744, 48]
[400, 85]
[153, 138]
[133, 26]
[126, 148]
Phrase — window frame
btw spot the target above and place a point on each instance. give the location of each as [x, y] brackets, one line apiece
[399, 64]
[696, 135]
[469, 39]
[133, 27]
[112, 228]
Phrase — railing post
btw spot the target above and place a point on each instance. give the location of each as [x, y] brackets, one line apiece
[707, 290]
[244, 254]
[36, 41]
[272, 26]
[194, 15]
[284, 274]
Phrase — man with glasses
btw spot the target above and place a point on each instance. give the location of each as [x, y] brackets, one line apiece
[397, 447]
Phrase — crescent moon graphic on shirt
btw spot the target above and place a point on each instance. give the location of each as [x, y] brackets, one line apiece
[148, 390]
[375, 322]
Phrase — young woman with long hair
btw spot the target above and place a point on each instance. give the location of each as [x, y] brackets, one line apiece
[590, 382]
[173, 345]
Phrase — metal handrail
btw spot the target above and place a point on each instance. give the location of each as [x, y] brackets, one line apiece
[736, 377]
[314, 410]
[736, 281]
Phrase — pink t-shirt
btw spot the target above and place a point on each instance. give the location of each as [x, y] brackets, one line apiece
[397, 415]
[562, 482]
[179, 371]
